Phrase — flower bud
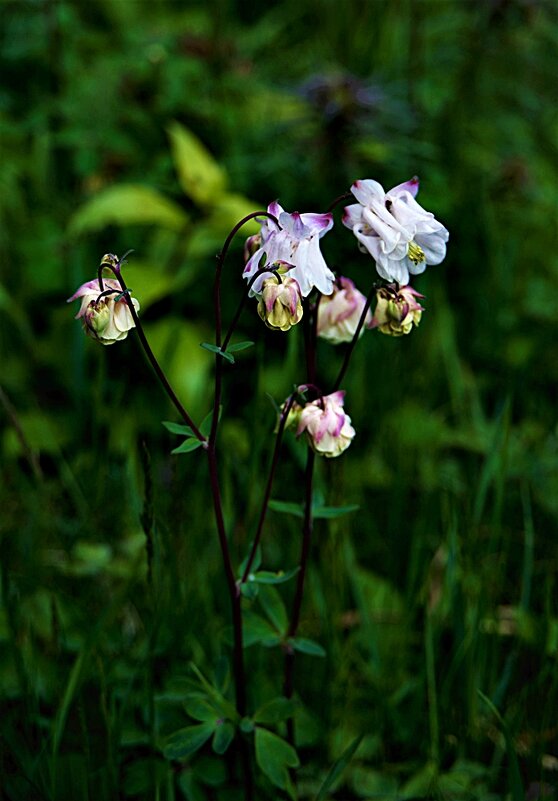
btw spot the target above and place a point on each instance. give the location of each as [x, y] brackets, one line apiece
[328, 428]
[280, 305]
[340, 312]
[252, 244]
[104, 318]
[397, 311]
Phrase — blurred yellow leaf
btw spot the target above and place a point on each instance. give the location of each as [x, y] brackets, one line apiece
[201, 178]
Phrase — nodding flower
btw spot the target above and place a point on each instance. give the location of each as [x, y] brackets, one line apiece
[105, 315]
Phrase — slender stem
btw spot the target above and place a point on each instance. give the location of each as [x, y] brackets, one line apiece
[340, 199]
[218, 324]
[265, 503]
[297, 603]
[243, 300]
[154, 363]
[235, 601]
[351, 347]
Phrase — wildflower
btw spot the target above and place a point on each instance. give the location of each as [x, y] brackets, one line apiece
[104, 318]
[399, 234]
[397, 310]
[295, 240]
[340, 312]
[327, 426]
[280, 305]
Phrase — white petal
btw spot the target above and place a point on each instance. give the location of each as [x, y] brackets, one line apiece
[367, 191]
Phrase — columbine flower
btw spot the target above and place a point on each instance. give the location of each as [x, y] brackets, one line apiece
[105, 319]
[296, 240]
[340, 312]
[397, 310]
[401, 236]
[327, 426]
[280, 305]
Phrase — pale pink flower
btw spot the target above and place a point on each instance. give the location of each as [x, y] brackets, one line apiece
[340, 312]
[398, 233]
[296, 241]
[327, 426]
[105, 319]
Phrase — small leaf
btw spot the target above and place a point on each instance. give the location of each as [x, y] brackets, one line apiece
[185, 742]
[256, 629]
[205, 425]
[275, 756]
[223, 737]
[306, 646]
[200, 176]
[239, 346]
[287, 508]
[216, 349]
[256, 562]
[275, 711]
[330, 512]
[198, 706]
[128, 204]
[267, 577]
[178, 428]
[338, 767]
[273, 606]
[188, 445]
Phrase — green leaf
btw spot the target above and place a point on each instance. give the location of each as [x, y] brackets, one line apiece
[201, 178]
[306, 646]
[273, 606]
[178, 428]
[287, 508]
[267, 577]
[205, 425]
[216, 349]
[318, 512]
[199, 707]
[127, 204]
[275, 711]
[239, 346]
[257, 630]
[331, 512]
[256, 562]
[223, 737]
[185, 742]
[338, 767]
[188, 445]
[275, 756]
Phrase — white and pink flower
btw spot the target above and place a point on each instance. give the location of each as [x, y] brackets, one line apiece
[296, 241]
[398, 233]
[340, 312]
[104, 318]
[327, 426]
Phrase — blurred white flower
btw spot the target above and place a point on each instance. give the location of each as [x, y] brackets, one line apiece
[340, 312]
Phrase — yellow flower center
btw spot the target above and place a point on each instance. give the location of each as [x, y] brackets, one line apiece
[416, 253]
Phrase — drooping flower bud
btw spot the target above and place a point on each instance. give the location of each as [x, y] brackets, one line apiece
[280, 304]
[397, 310]
[340, 312]
[327, 426]
[252, 244]
[104, 318]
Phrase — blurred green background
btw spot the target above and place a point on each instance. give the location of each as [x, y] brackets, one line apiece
[156, 126]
